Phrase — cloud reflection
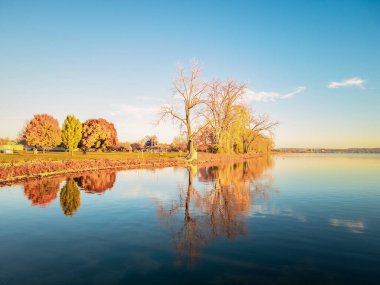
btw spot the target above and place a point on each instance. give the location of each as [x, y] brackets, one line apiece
[354, 226]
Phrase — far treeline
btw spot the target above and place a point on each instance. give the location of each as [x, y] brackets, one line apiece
[211, 116]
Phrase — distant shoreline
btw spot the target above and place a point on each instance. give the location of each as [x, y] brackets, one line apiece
[327, 150]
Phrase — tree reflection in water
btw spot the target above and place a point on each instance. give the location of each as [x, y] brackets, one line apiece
[42, 192]
[70, 197]
[97, 182]
[220, 209]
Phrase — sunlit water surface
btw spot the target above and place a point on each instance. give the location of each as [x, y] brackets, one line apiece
[291, 219]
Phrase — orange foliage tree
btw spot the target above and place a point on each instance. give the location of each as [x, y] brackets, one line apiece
[43, 131]
[98, 134]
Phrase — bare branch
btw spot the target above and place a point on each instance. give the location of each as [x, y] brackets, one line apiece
[191, 90]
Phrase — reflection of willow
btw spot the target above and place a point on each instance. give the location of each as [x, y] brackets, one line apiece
[43, 191]
[97, 182]
[70, 197]
[220, 210]
[234, 188]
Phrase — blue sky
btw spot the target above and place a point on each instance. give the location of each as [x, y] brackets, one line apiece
[117, 60]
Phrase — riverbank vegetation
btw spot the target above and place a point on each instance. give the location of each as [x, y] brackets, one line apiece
[213, 118]
[20, 167]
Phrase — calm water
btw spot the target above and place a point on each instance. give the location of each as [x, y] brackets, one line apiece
[293, 219]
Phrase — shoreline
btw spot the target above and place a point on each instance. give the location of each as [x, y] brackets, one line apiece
[11, 173]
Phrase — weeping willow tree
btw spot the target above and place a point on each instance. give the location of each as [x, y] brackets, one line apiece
[248, 132]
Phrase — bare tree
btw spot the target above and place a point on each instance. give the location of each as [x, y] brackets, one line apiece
[221, 99]
[190, 90]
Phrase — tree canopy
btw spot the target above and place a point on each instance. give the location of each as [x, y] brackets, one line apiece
[71, 132]
[43, 131]
[98, 134]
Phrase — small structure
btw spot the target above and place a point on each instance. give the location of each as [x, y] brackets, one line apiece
[10, 148]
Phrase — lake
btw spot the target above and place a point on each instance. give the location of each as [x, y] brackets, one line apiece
[287, 219]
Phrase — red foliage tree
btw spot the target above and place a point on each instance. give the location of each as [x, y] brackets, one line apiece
[43, 131]
[204, 139]
[98, 134]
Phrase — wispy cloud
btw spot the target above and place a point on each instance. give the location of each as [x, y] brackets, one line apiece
[134, 111]
[352, 225]
[264, 96]
[134, 122]
[354, 81]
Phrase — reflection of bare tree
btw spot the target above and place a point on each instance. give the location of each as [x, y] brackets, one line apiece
[43, 191]
[70, 197]
[188, 237]
[217, 211]
[97, 182]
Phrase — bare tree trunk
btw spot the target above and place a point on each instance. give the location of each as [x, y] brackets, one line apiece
[193, 155]
[245, 146]
[191, 91]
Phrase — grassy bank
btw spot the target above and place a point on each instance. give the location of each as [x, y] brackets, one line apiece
[59, 156]
[23, 166]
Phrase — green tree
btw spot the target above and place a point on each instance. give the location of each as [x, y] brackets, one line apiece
[70, 197]
[71, 133]
[43, 131]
